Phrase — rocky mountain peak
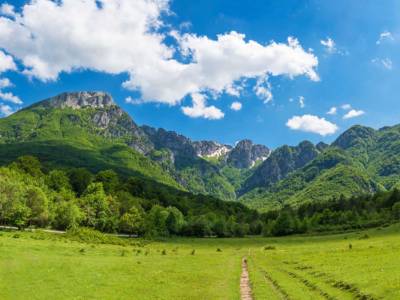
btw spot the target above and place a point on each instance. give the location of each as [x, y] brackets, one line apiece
[245, 154]
[279, 164]
[211, 149]
[77, 100]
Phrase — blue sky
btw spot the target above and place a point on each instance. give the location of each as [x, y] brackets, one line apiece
[356, 44]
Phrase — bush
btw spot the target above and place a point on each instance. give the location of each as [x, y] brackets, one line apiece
[87, 235]
[269, 248]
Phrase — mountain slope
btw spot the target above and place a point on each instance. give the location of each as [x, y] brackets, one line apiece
[87, 129]
[95, 135]
[280, 163]
[361, 160]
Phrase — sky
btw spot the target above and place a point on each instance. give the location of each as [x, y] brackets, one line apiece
[275, 72]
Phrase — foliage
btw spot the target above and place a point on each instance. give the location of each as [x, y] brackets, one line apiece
[70, 198]
[370, 210]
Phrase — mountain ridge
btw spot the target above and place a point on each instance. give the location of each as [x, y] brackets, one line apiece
[361, 159]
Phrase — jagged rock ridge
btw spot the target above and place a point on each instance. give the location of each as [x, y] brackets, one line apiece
[78, 100]
[246, 154]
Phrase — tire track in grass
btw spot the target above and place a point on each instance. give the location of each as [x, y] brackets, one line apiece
[339, 285]
[245, 288]
[276, 287]
[311, 286]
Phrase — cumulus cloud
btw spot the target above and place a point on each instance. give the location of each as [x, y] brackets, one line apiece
[263, 90]
[6, 62]
[353, 113]
[130, 100]
[7, 10]
[5, 83]
[385, 36]
[123, 36]
[302, 102]
[313, 124]
[346, 106]
[329, 44]
[10, 97]
[200, 109]
[332, 111]
[5, 110]
[236, 106]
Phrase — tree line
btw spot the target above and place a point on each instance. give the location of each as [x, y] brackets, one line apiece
[357, 212]
[32, 195]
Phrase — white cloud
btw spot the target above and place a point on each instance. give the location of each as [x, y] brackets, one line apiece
[302, 102]
[234, 90]
[310, 123]
[385, 36]
[5, 110]
[263, 89]
[346, 106]
[130, 100]
[122, 36]
[199, 109]
[10, 97]
[185, 25]
[386, 63]
[7, 10]
[236, 106]
[329, 44]
[6, 61]
[5, 83]
[353, 113]
[332, 111]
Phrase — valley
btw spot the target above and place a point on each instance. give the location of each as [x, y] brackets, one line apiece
[297, 267]
[93, 132]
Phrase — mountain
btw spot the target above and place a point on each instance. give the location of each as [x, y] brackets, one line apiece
[246, 154]
[282, 161]
[88, 129]
[80, 130]
[362, 160]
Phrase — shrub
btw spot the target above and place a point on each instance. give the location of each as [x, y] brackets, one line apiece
[269, 248]
[87, 235]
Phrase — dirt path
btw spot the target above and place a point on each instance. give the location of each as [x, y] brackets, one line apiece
[245, 289]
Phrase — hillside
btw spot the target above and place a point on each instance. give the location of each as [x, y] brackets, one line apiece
[88, 129]
[79, 133]
[361, 161]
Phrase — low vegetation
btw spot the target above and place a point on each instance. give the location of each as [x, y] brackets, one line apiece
[90, 265]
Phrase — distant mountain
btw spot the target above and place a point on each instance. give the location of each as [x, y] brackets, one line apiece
[282, 161]
[246, 154]
[88, 129]
[361, 160]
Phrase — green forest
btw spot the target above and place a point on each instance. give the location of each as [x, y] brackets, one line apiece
[32, 196]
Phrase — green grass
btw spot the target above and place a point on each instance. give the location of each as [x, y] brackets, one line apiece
[47, 266]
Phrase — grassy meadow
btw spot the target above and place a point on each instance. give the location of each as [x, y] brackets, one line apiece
[357, 265]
